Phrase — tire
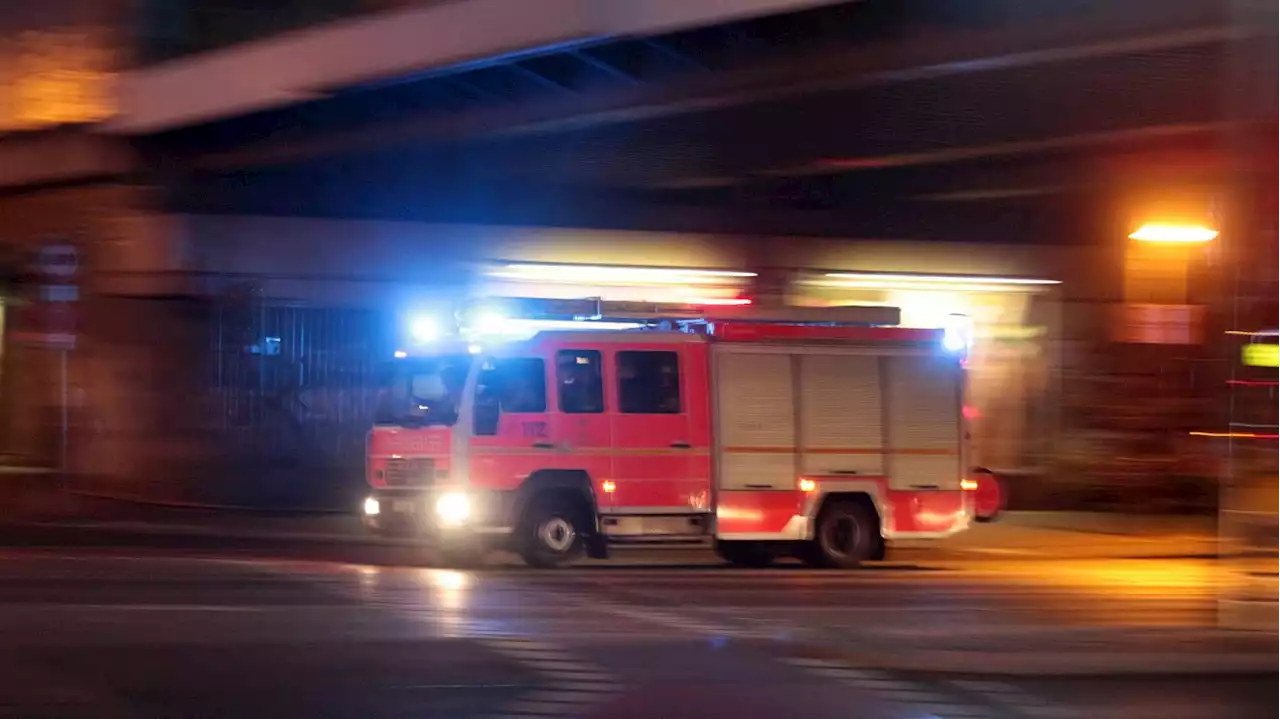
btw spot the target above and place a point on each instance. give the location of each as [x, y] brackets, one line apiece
[881, 550]
[745, 554]
[551, 534]
[847, 535]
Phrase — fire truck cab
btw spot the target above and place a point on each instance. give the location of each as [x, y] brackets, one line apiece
[818, 434]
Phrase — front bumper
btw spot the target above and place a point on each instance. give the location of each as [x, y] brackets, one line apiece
[430, 512]
[396, 512]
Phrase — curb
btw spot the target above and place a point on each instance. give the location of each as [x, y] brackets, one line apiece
[1112, 524]
[232, 508]
[148, 529]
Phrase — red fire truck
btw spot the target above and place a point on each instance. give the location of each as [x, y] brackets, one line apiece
[813, 433]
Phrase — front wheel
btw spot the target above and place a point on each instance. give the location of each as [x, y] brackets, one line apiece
[551, 535]
[845, 537]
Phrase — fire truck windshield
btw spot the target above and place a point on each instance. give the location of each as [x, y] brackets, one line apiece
[423, 392]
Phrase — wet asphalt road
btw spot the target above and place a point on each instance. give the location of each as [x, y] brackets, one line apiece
[121, 635]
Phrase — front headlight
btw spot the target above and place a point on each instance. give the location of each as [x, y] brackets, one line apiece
[372, 506]
[453, 508]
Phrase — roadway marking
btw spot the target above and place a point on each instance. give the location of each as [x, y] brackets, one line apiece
[573, 687]
[684, 622]
[527, 708]
[885, 687]
[432, 687]
[897, 693]
[562, 696]
[1014, 699]
[665, 619]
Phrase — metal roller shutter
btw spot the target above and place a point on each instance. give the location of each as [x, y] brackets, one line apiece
[923, 395]
[757, 421]
[840, 424]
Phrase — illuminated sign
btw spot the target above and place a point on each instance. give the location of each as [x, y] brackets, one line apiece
[1159, 324]
[1261, 355]
[1172, 233]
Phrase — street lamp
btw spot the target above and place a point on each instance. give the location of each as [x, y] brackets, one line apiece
[1173, 233]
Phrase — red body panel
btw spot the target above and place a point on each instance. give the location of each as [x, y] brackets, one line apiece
[660, 462]
[387, 444]
[927, 512]
[655, 462]
[903, 513]
[752, 512]
[407, 442]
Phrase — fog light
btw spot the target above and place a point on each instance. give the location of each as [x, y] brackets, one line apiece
[372, 506]
[453, 508]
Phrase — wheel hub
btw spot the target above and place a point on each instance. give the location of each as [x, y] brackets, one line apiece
[842, 535]
[557, 534]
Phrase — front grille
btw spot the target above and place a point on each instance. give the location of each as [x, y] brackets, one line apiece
[418, 472]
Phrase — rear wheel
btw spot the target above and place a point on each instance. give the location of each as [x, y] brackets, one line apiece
[552, 534]
[846, 535]
[745, 554]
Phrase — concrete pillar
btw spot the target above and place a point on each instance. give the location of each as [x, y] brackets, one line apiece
[132, 386]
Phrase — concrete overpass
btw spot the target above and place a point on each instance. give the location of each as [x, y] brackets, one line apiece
[977, 122]
[923, 120]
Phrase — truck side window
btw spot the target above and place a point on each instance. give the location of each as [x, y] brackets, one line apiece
[523, 385]
[648, 383]
[517, 386]
[580, 382]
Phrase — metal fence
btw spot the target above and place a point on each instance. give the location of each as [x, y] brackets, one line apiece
[295, 383]
[231, 400]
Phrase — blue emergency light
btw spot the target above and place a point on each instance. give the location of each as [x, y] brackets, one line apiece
[957, 334]
[424, 328]
[489, 324]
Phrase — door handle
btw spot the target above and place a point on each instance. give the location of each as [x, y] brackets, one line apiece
[681, 445]
[758, 486]
[543, 445]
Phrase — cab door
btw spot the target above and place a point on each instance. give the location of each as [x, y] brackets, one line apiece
[512, 428]
[579, 421]
[662, 460]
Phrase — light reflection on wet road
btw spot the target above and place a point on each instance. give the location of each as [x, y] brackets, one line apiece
[131, 637]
